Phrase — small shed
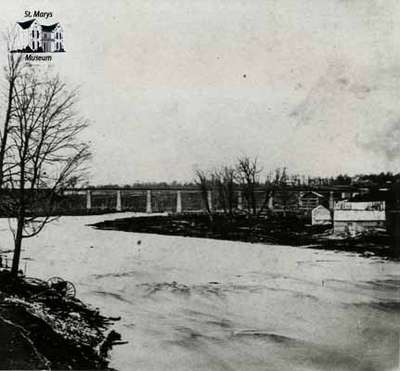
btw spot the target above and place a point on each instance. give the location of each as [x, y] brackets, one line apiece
[310, 200]
[321, 216]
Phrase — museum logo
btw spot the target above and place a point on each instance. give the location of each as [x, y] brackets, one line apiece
[37, 39]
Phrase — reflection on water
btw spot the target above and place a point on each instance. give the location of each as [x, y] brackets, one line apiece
[197, 304]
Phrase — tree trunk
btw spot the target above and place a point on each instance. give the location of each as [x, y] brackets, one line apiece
[3, 145]
[253, 201]
[20, 221]
[17, 246]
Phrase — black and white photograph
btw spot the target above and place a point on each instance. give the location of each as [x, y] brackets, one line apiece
[200, 185]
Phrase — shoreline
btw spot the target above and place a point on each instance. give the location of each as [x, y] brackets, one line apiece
[288, 231]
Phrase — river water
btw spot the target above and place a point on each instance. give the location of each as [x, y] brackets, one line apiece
[201, 304]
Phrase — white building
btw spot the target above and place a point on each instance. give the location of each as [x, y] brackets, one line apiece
[321, 215]
[30, 36]
[357, 217]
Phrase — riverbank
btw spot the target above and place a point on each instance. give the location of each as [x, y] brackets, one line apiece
[42, 328]
[279, 230]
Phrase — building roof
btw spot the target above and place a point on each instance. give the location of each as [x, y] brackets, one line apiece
[320, 207]
[313, 194]
[26, 24]
[49, 28]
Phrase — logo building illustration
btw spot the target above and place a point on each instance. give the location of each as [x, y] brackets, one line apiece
[32, 37]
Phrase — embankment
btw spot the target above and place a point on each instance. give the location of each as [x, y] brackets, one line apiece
[43, 329]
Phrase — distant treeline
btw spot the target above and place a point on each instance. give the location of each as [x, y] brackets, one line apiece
[368, 180]
[151, 185]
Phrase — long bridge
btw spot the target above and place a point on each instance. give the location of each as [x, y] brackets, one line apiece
[177, 198]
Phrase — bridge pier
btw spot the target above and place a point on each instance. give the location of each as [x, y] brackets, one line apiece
[240, 201]
[148, 202]
[88, 200]
[119, 203]
[178, 201]
[209, 199]
[331, 201]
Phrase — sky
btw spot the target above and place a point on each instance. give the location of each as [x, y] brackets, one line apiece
[170, 86]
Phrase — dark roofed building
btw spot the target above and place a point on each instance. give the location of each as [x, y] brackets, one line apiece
[49, 28]
[26, 24]
[52, 38]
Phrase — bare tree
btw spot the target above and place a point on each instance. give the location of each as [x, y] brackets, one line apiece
[285, 194]
[248, 175]
[272, 185]
[204, 184]
[45, 150]
[224, 181]
[12, 71]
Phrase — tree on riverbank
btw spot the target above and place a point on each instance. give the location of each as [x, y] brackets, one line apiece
[248, 174]
[204, 185]
[246, 178]
[44, 151]
[12, 71]
[224, 181]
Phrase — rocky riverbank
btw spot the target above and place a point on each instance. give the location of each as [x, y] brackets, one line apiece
[41, 328]
[277, 230]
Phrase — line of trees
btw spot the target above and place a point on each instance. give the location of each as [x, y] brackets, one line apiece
[40, 150]
[243, 177]
[370, 180]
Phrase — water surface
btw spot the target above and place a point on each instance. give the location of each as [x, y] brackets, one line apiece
[201, 304]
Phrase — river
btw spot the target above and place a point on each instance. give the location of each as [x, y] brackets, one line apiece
[202, 304]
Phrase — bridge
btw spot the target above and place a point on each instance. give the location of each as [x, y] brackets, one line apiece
[177, 198]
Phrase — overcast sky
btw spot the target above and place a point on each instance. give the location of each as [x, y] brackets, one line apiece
[169, 86]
